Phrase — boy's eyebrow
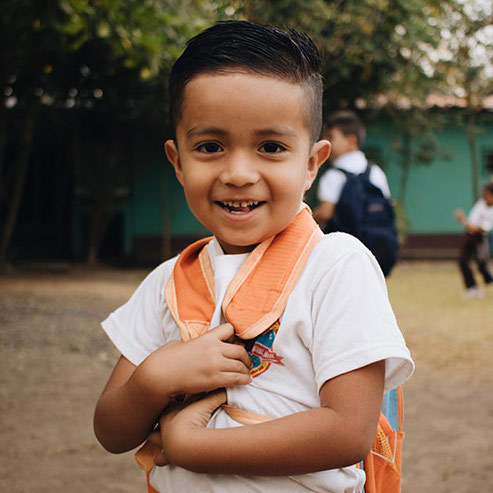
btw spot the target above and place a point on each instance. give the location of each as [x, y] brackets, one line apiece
[198, 131]
[281, 130]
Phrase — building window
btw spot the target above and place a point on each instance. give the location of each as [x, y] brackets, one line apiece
[488, 162]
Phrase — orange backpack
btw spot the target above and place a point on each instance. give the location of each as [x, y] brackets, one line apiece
[253, 306]
[383, 465]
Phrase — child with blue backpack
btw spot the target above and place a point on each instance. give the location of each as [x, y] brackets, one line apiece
[294, 326]
[354, 196]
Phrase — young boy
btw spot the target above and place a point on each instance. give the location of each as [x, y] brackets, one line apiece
[246, 110]
[346, 133]
[475, 242]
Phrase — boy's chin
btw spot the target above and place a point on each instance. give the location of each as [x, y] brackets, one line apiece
[231, 249]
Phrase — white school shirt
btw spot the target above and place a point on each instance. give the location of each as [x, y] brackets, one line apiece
[337, 319]
[332, 181]
[481, 215]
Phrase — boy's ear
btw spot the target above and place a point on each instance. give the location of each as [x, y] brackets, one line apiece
[173, 156]
[319, 154]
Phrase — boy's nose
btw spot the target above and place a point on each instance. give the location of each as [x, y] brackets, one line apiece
[239, 171]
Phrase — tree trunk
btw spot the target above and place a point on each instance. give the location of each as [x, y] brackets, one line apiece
[166, 237]
[3, 139]
[405, 165]
[98, 222]
[15, 197]
[471, 139]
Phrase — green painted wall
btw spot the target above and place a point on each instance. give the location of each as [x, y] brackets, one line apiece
[434, 190]
[149, 212]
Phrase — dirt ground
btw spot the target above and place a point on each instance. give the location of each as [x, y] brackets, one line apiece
[55, 359]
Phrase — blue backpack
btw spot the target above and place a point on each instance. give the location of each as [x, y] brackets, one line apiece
[363, 211]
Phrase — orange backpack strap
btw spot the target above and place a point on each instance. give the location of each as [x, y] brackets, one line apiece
[145, 456]
[190, 290]
[258, 293]
[383, 466]
[150, 489]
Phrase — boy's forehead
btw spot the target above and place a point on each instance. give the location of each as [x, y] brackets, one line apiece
[239, 74]
[210, 86]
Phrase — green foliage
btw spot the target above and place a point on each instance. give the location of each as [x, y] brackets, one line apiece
[465, 68]
[369, 47]
[104, 65]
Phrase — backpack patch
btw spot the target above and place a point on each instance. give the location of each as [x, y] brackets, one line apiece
[364, 212]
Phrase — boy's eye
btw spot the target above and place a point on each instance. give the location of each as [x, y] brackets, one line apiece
[272, 148]
[209, 147]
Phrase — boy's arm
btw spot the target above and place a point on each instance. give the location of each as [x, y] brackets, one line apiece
[135, 396]
[339, 433]
[123, 416]
[461, 217]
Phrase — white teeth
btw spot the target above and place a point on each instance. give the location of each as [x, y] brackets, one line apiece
[242, 203]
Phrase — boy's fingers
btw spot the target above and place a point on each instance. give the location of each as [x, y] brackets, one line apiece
[224, 332]
[212, 401]
[199, 413]
[155, 438]
[217, 399]
[161, 460]
[232, 379]
[239, 353]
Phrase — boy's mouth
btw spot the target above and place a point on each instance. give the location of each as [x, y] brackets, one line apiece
[240, 206]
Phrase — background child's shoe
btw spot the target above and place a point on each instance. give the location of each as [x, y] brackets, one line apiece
[474, 292]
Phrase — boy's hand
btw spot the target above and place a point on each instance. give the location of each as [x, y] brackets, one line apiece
[155, 438]
[196, 414]
[177, 424]
[206, 363]
[460, 215]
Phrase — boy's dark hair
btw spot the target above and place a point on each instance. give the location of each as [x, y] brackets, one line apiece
[348, 123]
[253, 48]
[489, 187]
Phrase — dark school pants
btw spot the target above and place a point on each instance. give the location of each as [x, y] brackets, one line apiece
[474, 246]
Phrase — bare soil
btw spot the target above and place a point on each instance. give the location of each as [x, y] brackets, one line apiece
[55, 360]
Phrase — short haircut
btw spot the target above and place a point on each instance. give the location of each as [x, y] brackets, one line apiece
[348, 123]
[252, 48]
[489, 187]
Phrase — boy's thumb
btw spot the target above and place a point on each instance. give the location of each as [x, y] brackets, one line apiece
[224, 332]
[213, 400]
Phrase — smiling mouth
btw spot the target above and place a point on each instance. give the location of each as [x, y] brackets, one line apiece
[240, 206]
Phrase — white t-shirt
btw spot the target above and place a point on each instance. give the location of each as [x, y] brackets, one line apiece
[332, 181]
[337, 319]
[481, 215]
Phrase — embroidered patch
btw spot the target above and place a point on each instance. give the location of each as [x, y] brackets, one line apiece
[261, 352]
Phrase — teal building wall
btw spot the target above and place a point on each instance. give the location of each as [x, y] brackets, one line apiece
[157, 207]
[435, 190]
